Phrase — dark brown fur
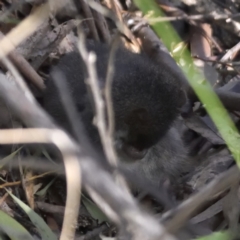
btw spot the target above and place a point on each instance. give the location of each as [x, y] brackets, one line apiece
[146, 101]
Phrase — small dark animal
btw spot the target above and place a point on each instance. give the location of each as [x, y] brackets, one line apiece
[146, 100]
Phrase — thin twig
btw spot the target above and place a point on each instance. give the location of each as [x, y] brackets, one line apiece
[25, 67]
[108, 87]
[9, 184]
[90, 60]
[17, 77]
[105, 134]
[88, 14]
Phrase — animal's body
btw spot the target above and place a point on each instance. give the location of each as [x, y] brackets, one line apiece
[146, 102]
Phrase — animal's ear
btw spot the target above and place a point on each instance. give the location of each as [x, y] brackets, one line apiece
[182, 98]
[138, 116]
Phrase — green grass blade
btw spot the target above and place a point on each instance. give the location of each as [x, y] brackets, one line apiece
[13, 229]
[94, 210]
[39, 223]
